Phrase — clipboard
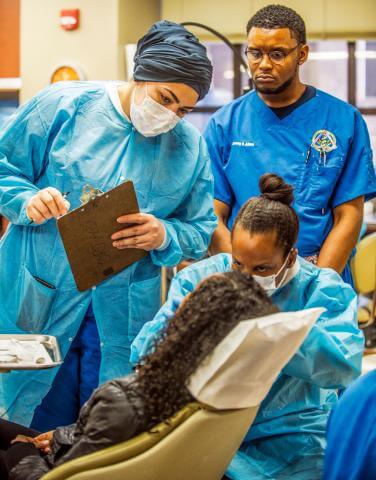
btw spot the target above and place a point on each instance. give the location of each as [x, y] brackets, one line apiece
[86, 235]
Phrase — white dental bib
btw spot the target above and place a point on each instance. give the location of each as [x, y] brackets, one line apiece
[242, 368]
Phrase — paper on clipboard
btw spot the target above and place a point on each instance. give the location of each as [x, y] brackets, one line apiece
[86, 235]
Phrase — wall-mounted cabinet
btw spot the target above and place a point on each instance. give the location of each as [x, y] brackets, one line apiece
[350, 19]
[324, 18]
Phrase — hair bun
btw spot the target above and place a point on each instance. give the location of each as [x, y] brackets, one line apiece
[273, 187]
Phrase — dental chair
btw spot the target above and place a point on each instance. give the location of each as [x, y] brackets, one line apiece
[363, 269]
[196, 443]
[199, 441]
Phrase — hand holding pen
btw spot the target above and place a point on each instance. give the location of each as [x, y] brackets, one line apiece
[47, 203]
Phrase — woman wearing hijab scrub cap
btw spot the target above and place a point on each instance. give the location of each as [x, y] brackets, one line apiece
[77, 134]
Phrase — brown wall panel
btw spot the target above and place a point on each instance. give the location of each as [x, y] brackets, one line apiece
[9, 38]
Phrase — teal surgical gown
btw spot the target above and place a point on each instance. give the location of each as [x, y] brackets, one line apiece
[287, 438]
[67, 136]
[246, 139]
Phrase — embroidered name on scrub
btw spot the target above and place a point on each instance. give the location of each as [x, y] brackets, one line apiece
[243, 144]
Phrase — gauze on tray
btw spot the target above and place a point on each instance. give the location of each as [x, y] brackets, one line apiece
[23, 352]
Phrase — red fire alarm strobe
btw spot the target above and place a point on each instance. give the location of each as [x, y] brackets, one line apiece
[70, 19]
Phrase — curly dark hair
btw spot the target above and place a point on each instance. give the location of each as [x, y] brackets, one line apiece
[205, 317]
[271, 211]
[279, 16]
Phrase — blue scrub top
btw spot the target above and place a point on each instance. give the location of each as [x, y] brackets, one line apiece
[247, 139]
[351, 436]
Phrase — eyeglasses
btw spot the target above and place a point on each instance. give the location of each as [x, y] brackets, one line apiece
[275, 56]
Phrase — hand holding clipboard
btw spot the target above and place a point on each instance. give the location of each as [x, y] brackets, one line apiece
[146, 232]
[86, 235]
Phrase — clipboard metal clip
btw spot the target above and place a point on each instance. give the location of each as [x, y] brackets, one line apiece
[89, 193]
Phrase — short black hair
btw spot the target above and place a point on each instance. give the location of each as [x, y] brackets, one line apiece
[279, 16]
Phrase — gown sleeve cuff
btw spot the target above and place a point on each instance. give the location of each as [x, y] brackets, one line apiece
[166, 241]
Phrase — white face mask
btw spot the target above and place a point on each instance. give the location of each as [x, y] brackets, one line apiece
[269, 283]
[150, 118]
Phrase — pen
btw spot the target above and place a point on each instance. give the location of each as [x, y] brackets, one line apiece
[308, 154]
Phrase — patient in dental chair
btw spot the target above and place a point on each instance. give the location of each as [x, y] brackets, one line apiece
[124, 407]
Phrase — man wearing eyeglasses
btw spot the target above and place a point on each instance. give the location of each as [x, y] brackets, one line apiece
[315, 141]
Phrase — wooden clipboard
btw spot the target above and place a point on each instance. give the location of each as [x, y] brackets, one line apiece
[86, 235]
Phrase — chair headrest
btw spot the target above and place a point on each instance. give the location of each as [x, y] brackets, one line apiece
[242, 368]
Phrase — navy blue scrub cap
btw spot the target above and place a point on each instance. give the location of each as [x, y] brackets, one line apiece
[169, 53]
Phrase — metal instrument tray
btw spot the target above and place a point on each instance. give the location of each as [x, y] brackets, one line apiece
[48, 341]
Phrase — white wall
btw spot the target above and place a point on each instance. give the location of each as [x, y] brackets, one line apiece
[96, 46]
